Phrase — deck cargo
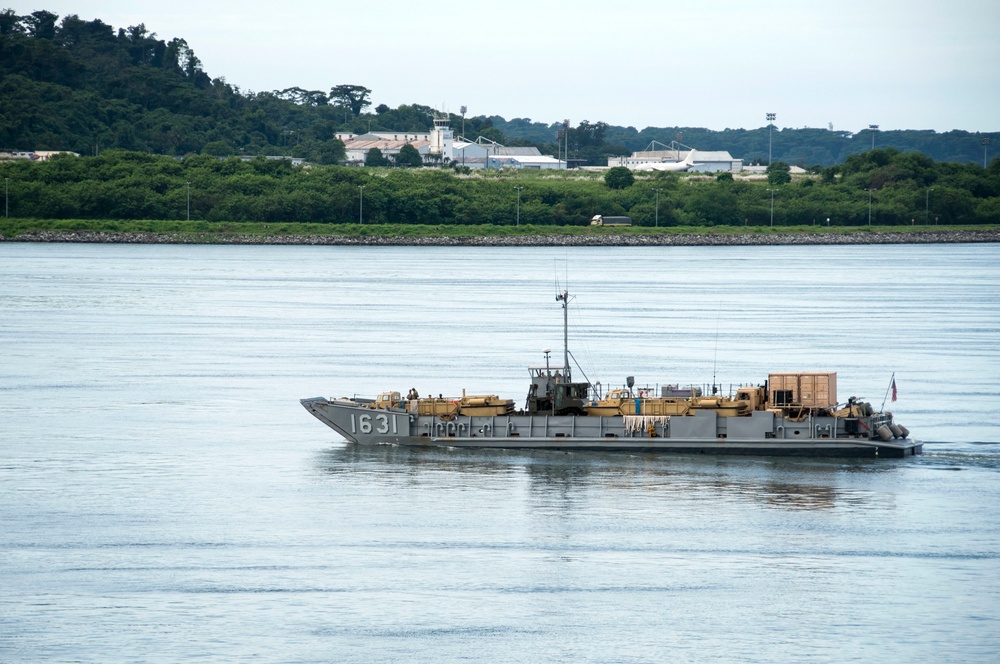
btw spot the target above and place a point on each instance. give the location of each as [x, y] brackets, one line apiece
[809, 390]
[791, 413]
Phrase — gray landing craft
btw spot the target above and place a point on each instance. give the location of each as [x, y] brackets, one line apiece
[791, 414]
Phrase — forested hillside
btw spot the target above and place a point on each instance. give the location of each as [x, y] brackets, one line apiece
[85, 86]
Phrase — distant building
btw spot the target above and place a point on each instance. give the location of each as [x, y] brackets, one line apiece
[536, 162]
[345, 136]
[37, 155]
[437, 145]
[45, 155]
[762, 170]
[440, 146]
[473, 155]
[357, 148]
[704, 161]
[442, 141]
[295, 161]
[487, 154]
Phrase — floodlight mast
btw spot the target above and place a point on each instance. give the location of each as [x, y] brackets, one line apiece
[770, 120]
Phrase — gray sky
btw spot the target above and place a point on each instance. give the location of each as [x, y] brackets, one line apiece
[917, 64]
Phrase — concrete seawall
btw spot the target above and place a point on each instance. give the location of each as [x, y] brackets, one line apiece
[748, 239]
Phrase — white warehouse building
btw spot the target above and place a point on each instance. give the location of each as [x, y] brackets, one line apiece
[535, 162]
[494, 155]
[705, 161]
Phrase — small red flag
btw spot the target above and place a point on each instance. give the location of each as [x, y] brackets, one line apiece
[894, 390]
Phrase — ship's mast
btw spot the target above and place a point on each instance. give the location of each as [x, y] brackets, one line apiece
[564, 297]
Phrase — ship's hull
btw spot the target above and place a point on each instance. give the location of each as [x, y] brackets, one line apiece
[764, 433]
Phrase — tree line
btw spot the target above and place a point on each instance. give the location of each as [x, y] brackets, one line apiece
[887, 186]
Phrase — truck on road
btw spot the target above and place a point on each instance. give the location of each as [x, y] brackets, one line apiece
[601, 220]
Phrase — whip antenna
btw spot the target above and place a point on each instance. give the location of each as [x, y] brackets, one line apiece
[715, 360]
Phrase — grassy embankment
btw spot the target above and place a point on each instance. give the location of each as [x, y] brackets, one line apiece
[11, 228]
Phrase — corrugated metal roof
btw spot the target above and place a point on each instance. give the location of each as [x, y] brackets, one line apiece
[517, 151]
[358, 144]
[669, 156]
[657, 155]
[713, 155]
[526, 159]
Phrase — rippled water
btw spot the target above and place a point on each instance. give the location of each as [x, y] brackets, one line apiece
[163, 496]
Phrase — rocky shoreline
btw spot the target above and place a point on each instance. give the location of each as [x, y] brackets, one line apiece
[708, 239]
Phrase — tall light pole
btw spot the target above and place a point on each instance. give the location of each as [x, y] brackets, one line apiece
[189, 200]
[770, 120]
[870, 192]
[518, 205]
[656, 222]
[566, 138]
[464, 108]
[361, 204]
[927, 206]
[986, 144]
[772, 206]
[873, 129]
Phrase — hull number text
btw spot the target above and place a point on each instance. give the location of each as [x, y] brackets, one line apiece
[378, 423]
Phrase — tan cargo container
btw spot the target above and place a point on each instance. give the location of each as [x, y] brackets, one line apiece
[809, 390]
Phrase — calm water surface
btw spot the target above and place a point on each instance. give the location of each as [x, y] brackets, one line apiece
[163, 496]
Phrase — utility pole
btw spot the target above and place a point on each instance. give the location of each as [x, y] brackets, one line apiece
[927, 206]
[189, 200]
[656, 222]
[6, 197]
[361, 204]
[772, 206]
[518, 223]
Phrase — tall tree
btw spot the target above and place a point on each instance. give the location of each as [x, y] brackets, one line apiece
[42, 24]
[10, 22]
[354, 97]
[303, 97]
